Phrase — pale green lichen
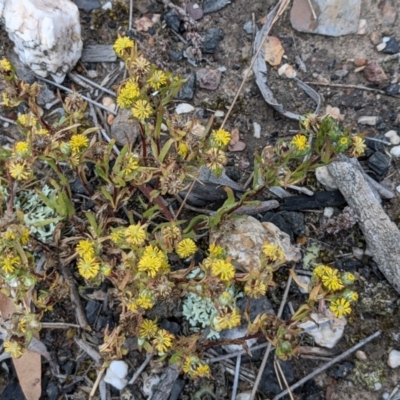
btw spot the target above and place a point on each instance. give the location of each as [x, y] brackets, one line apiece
[368, 373]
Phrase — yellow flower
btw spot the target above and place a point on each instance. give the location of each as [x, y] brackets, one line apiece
[202, 371]
[88, 266]
[344, 141]
[163, 341]
[42, 132]
[135, 235]
[273, 252]
[24, 235]
[9, 235]
[221, 137]
[148, 329]
[216, 250]
[186, 248]
[78, 142]
[27, 120]
[121, 44]
[128, 94]
[215, 158]
[331, 279]
[21, 149]
[359, 146]
[5, 65]
[350, 295]
[9, 263]
[300, 142]
[149, 264]
[255, 288]
[117, 235]
[227, 320]
[157, 79]
[319, 270]
[340, 307]
[140, 65]
[142, 110]
[223, 269]
[13, 348]
[348, 278]
[145, 301]
[85, 247]
[183, 149]
[19, 169]
[130, 164]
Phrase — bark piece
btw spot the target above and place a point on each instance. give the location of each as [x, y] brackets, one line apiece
[99, 53]
[381, 234]
[168, 379]
[318, 200]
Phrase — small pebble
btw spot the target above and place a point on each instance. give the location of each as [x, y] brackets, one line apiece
[395, 151]
[194, 10]
[107, 6]
[393, 137]
[248, 27]
[393, 89]
[328, 212]
[219, 114]
[381, 46]
[378, 386]
[257, 130]
[361, 355]
[368, 120]
[184, 108]
[358, 254]
[398, 189]
[287, 71]
[362, 27]
[394, 359]
[392, 47]
[108, 102]
[92, 74]
[208, 78]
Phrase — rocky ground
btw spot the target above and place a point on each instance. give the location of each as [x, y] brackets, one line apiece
[336, 67]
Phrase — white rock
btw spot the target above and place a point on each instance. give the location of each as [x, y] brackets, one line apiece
[244, 237]
[328, 212]
[243, 396]
[368, 120]
[306, 280]
[395, 151]
[393, 137]
[377, 386]
[325, 178]
[219, 114]
[149, 384]
[184, 108]
[46, 34]
[394, 359]
[362, 27]
[116, 374]
[107, 6]
[109, 103]
[361, 355]
[257, 130]
[358, 253]
[381, 46]
[326, 330]
[287, 71]
[398, 189]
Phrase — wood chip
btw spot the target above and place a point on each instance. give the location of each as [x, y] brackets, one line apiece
[98, 53]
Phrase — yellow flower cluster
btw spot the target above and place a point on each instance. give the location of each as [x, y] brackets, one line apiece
[128, 94]
[9, 262]
[153, 261]
[148, 329]
[157, 79]
[163, 341]
[223, 269]
[300, 142]
[88, 264]
[340, 307]
[359, 146]
[142, 110]
[186, 248]
[5, 65]
[273, 253]
[130, 164]
[221, 137]
[196, 368]
[78, 142]
[21, 149]
[227, 319]
[135, 235]
[13, 348]
[122, 44]
[255, 288]
[19, 169]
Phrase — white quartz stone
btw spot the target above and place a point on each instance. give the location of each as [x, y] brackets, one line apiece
[394, 359]
[46, 34]
[116, 374]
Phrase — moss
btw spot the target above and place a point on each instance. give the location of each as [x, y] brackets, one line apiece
[367, 374]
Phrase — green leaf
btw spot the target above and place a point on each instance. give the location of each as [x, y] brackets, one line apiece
[93, 223]
[47, 221]
[165, 150]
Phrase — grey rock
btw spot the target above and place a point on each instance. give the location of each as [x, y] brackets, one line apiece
[208, 78]
[248, 27]
[392, 47]
[175, 55]
[176, 390]
[368, 120]
[334, 17]
[388, 13]
[392, 90]
[194, 10]
[186, 92]
[375, 73]
[379, 163]
[52, 391]
[24, 73]
[211, 40]
[340, 371]
[210, 6]
[257, 307]
[172, 20]
[340, 73]
[88, 5]
[46, 96]
[124, 129]
[269, 382]
[91, 311]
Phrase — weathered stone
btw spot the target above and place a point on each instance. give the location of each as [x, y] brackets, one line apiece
[210, 6]
[186, 92]
[46, 34]
[208, 78]
[375, 73]
[88, 5]
[124, 128]
[211, 40]
[194, 10]
[334, 17]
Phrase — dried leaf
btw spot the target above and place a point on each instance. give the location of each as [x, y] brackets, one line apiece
[274, 50]
[234, 137]
[239, 146]
[334, 112]
[28, 366]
